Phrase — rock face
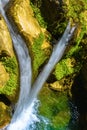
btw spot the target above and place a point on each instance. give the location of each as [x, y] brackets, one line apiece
[6, 48]
[8, 73]
[36, 38]
[4, 115]
[4, 76]
[8, 61]
[25, 21]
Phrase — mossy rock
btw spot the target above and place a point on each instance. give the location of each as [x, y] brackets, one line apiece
[12, 85]
[8, 63]
[66, 67]
[74, 54]
[36, 37]
[41, 52]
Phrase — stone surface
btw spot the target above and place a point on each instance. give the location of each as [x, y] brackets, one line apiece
[4, 76]
[4, 115]
[29, 28]
[25, 21]
[6, 48]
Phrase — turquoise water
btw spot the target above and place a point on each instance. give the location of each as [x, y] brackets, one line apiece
[55, 111]
[45, 124]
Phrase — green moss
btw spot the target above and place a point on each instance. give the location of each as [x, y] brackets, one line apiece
[66, 67]
[38, 53]
[54, 106]
[75, 8]
[10, 64]
[11, 67]
[77, 11]
[38, 16]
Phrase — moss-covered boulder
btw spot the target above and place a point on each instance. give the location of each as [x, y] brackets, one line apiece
[11, 87]
[8, 63]
[66, 67]
[36, 37]
[8, 73]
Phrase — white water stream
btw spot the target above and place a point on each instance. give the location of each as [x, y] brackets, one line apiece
[24, 114]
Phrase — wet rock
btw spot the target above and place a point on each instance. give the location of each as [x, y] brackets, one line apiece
[8, 62]
[4, 76]
[5, 116]
[25, 22]
[35, 37]
[6, 48]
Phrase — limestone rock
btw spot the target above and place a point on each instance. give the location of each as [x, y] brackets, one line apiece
[63, 84]
[56, 86]
[4, 76]
[22, 15]
[4, 115]
[6, 47]
[29, 28]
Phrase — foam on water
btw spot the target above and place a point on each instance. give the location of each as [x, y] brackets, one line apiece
[26, 119]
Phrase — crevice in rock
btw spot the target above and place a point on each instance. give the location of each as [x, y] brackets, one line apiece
[4, 99]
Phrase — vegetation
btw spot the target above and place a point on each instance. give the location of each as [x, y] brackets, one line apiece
[66, 67]
[38, 53]
[54, 106]
[77, 12]
[77, 15]
[38, 16]
[11, 67]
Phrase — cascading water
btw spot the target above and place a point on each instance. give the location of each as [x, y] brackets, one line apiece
[25, 68]
[24, 114]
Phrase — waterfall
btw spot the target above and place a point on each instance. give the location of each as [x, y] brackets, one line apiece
[24, 113]
[25, 66]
